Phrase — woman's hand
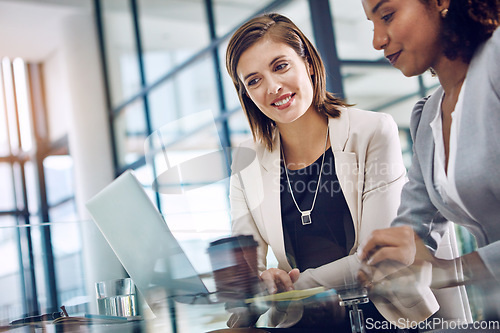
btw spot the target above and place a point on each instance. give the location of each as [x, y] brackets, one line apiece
[390, 251]
[278, 280]
[395, 244]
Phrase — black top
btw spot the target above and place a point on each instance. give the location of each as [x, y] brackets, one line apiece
[330, 236]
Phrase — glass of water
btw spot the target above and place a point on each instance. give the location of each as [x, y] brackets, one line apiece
[116, 297]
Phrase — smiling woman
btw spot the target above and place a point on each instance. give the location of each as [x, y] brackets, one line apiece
[304, 55]
[453, 176]
[395, 22]
[325, 175]
[280, 85]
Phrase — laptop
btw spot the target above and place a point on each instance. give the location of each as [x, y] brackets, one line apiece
[142, 241]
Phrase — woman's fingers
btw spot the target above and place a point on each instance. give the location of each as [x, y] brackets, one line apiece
[402, 254]
[294, 275]
[390, 251]
[277, 280]
[365, 277]
[395, 236]
[268, 280]
[396, 243]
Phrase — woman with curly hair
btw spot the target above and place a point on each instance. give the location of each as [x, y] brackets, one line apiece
[456, 139]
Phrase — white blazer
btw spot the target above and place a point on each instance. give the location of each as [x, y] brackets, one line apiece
[370, 169]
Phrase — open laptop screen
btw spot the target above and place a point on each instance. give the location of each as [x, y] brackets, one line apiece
[142, 241]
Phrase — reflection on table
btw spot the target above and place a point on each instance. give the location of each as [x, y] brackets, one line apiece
[76, 278]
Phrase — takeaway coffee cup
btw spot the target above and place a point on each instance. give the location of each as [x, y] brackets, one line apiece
[234, 263]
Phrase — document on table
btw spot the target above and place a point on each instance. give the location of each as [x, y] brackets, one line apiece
[293, 295]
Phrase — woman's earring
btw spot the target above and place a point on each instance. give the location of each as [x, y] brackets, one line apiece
[444, 12]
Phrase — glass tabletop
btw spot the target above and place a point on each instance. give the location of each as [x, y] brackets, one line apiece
[34, 282]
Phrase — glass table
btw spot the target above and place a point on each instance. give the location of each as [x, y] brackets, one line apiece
[34, 282]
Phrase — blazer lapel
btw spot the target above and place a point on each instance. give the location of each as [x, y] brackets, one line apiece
[346, 164]
[271, 206]
[426, 146]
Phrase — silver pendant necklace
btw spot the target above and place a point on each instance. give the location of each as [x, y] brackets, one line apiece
[306, 214]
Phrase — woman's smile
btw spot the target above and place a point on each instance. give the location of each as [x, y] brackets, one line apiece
[407, 32]
[283, 102]
[393, 57]
[277, 80]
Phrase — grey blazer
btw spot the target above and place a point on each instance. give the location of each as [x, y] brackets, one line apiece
[477, 162]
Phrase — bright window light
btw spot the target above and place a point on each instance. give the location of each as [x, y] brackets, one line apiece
[23, 104]
[4, 138]
[10, 104]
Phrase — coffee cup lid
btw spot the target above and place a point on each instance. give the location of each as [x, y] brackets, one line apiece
[233, 242]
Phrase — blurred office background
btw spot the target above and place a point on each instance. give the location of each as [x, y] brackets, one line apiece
[84, 83]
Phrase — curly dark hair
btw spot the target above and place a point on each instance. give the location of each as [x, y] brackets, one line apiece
[468, 24]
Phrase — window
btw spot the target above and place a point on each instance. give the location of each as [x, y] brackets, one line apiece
[36, 177]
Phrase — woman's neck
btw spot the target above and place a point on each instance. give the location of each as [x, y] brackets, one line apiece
[303, 141]
[451, 74]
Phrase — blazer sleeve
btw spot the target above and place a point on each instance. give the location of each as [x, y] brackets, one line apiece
[490, 254]
[242, 221]
[416, 208]
[383, 173]
[383, 177]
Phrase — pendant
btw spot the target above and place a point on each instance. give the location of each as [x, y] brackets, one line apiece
[306, 217]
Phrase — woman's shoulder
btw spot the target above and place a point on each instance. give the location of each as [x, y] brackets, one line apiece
[248, 143]
[495, 38]
[356, 112]
[493, 54]
[362, 126]
[366, 119]
[248, 147]
[488, 52]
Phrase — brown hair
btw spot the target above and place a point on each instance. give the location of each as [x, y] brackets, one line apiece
[467, 24]
[280, 29]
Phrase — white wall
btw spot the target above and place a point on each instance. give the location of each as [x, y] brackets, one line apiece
[90, 143]
[75, 99]
[57, 95]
